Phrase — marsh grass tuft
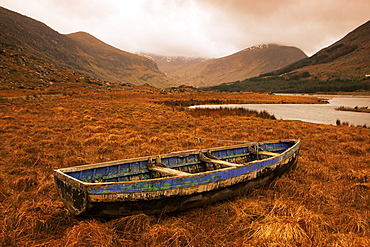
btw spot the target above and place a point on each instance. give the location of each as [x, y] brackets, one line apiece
[280, 231]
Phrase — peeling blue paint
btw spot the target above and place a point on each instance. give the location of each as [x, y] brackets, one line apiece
[183, 182]
[127, 173]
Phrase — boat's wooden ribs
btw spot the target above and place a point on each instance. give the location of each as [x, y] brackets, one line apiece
[204, 158]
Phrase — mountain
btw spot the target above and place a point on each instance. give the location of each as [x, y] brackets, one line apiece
[342, 66]
[80, 51]
[19, 70]
[171, 64]
[111, 64]
[346, 59]
[239, 66]
[178, 69]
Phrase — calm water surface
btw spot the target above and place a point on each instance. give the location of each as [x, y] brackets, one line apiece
[314, 113]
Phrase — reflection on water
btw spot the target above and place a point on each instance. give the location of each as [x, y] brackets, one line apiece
[314, 113]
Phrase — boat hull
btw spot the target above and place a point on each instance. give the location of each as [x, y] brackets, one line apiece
[88, 199]
[180, 203]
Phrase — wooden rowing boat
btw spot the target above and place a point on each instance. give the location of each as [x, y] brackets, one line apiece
[174, 181]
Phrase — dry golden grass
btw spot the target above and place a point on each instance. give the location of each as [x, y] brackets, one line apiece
[324, 202]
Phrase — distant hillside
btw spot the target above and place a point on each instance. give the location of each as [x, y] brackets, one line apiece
[239, 66]
[35, 38]
[29, 72]
[80, 52]
[346, 59]
[170, 64]
[114, 65]
[342, 66]
[176, 67]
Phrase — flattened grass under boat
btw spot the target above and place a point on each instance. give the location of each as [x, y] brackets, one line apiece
[174, 181]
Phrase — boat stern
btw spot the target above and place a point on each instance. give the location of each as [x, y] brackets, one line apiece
[73, 194]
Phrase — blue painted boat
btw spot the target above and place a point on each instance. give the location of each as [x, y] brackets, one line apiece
[174, 181]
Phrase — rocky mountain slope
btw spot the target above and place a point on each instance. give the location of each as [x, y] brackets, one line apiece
[346, 59]
[19, 70]
[114, 65]
[80, 52]
[239, 66]
[342, 66]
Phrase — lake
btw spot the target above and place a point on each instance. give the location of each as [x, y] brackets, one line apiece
[314, 113]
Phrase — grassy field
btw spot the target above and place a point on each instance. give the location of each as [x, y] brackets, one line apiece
[325, 201]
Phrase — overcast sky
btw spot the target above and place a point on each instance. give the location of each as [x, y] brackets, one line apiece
[200, 28]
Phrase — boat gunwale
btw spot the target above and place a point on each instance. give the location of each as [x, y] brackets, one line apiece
[62, 171]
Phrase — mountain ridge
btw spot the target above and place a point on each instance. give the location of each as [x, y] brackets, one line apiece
[69, 52]
[36, 38]
[246, 63]
[341, 66]
[353, 49]
[130, 67]
[28, 41]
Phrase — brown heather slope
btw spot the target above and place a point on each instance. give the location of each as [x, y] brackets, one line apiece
[24, 74]
[325, 201]
[244, 64]
[34, 38]
[346, 59]
[114, 65]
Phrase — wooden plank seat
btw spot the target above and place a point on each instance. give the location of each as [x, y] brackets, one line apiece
[158, 166]
[168, 171]
[267, 153]
[262, 152]
[204, 158]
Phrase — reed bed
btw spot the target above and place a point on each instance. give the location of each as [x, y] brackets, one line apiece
[323, 202]
[225, 111]
[364, 109]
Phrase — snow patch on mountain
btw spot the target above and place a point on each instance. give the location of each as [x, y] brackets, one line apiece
[171, 59]
[257, 47]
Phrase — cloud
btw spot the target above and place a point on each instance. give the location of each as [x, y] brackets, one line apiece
[309, 25]
[208, 28]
